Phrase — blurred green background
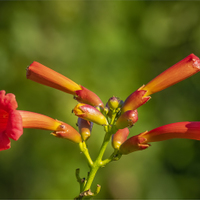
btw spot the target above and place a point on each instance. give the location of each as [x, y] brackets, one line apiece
[111, 48]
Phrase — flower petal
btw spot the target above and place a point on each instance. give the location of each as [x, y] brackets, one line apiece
[4, 141]
[14, 126]
[7, 101]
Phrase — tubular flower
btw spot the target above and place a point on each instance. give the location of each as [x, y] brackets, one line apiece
[188, 130]
[178, 72]
[39, 121]
[119, 137]
[90, 113]
[127, 119]
[10, 120]
[85, 128]
[46, 76]
[86, 96]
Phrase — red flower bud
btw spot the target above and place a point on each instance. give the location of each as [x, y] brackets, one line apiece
[135, 100]
[65, 131]
[88, 97]
[127, 119]
[134, 143]
[90, 113]
[119, 137]
[85, 128]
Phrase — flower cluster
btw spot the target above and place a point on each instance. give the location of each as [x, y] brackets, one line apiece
[117, 116]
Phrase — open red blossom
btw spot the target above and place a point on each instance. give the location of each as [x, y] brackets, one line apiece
[10, 120]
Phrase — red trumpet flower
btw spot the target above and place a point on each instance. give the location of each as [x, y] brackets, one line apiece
[178, 72]
[187, 130]
[46, 76]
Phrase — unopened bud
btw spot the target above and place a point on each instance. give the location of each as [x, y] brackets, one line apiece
[114, 103]
[134, 143]
[85, 128]
[127, 119]
[119, 137]
[90, 113]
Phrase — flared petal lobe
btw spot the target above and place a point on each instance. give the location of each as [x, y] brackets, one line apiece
[10, 120]
[46, 76]
[178, 72]
[4, 142]
[188, 130]
[90, 113]
[14, 125]
[88, 97]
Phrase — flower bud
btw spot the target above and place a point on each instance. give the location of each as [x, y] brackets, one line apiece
[85, 128]
[67, 132]
[134, 143]
[127, 119]
[114, 103]
[90, 113]
[119, 137]
[135, 100]
[88, 97]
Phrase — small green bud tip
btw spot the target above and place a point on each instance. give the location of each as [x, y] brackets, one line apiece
[114, 102]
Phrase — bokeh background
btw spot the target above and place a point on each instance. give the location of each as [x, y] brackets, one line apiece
[111, 48]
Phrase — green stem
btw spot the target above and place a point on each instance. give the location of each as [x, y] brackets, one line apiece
[84, 149]
[98, 162]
